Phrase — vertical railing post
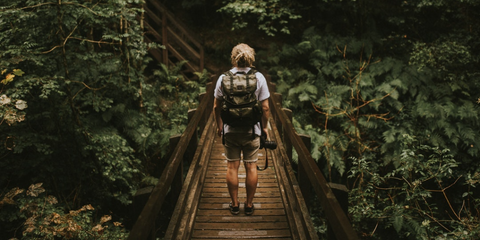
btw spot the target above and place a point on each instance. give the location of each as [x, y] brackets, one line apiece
[165, 37]
[177, 183]
[192, 145]
[278, 123]
[286, 141]
[210, 103]
[272, 87]
[208, 110]
[203, 121]
[302, 178]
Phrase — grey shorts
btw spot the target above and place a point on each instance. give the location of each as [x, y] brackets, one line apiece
[237, 144]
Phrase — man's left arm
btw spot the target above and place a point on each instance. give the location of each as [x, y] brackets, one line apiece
[217, 108]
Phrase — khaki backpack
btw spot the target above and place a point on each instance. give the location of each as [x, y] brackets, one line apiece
[240, 106]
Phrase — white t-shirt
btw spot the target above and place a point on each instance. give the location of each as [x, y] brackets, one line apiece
[262, 93]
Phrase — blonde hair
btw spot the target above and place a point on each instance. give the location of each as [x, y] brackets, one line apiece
[243, 56]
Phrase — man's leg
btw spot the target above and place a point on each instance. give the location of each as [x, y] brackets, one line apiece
[250, 155]
[232, 154]
[232, 181]
[251, 181]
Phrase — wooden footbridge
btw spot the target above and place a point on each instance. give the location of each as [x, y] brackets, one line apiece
[201, 195]
[201, 211]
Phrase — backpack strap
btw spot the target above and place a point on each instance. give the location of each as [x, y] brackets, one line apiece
[249, 73]
[230, 74]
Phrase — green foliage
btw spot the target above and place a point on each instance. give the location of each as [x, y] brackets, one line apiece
[82, 60]
[272, 16]
[43, 218]
[361, 95]
[411, 199]
[440, 55]
[375, 74]
[170, 97]
[95, 125]
[367, 103]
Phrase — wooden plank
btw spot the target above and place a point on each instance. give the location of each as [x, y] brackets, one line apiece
[258, 238]
[213, 218]
[241, 234]
[222, 180]
[224, 205]
[154, 17]
[224, 173]
[189, 219]
[261, 190]
[179, 57]
[259, 185]
[227, 199]
[241, 218]
[181, 221]
[184, 45]
[286, 194]
[301, 221]
[243, 226]
[242, 194]
[226, 212]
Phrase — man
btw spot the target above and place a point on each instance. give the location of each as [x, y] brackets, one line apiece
[240, 140]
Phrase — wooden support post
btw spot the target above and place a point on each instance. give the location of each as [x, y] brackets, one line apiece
[209, 108]
[286, 141]
[165, 38]
[177, 183]
[302, 178]
[278, 99]
[153, 231]
[139, 200]
[341, 194]
[271, 86]
[210, 104]
[192, 145]
[203, 121]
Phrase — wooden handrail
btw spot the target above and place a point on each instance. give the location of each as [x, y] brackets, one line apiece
[335, 215]
[299, 218]
[181, 223]
[172, 32]
[178, 25]
[142, 227]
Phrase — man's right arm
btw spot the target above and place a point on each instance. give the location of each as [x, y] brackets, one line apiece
[265, 115]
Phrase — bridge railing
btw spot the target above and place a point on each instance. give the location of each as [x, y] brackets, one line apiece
[308, 173]
[172, 175]
[178, 41]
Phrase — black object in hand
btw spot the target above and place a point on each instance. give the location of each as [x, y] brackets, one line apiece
[267, 144]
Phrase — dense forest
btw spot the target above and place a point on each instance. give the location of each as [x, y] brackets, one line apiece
[387, 90]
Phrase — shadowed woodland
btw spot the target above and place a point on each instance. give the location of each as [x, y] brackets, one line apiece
[388, 91]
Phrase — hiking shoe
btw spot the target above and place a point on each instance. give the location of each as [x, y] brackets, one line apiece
[249, 211]
[234, 210]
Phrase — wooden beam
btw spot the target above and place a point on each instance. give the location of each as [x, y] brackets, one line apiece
[180, 224]
[143, 225]
[333, 211]
[299, 217]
